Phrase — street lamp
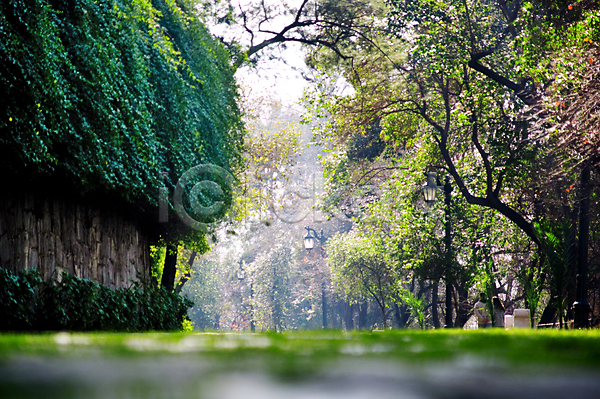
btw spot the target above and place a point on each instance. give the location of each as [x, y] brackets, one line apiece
[429, 191]
[430, 188]
[309, 244]
[309, 240]
[241, 274]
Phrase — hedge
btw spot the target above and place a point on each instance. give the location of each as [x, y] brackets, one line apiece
[28, 303]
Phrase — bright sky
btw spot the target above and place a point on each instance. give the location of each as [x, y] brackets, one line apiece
[280, 77]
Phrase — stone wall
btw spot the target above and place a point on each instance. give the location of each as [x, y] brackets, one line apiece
[54, 235]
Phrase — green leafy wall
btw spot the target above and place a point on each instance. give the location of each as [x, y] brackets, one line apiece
[100, 96]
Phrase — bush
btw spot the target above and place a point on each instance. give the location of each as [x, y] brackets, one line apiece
[72, 303]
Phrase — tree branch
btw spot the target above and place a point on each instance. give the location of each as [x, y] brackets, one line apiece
[326, 24]
[491, 199]
[510, 15]
[484, 155]
[525, 96]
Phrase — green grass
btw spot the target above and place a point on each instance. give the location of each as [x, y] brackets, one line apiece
[227, 365]
[293, 354]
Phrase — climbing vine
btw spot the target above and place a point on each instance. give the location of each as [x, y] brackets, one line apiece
[107, 94]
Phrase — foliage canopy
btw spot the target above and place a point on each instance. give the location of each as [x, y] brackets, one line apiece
[100, 97]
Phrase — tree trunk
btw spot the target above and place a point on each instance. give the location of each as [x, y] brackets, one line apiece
[324, 301]
[449, 255]
[448, 306]
[434, 306]
[362, 315]
[383, 315]
[348, 316]
[463, 308]
[170, 268]
[188, 274]
[402, 315]
[582, 307]
[550, 311]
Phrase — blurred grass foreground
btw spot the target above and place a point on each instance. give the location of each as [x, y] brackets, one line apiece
[317, 364]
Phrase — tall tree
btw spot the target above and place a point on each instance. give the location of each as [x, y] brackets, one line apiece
[471, 78]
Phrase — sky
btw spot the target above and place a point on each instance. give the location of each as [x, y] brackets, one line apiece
[281, 77]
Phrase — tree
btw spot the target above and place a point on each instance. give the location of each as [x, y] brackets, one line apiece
[458, 79]
[270, 154]
[359, 269]
[271, 301]
[206, 291]
[452, 100]
[260, 25]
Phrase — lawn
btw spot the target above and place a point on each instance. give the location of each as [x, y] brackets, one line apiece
[208, 364]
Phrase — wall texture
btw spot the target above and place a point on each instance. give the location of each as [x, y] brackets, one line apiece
[53, 235]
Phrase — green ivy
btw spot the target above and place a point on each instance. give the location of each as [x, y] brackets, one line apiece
[106, 94]
[72, 303]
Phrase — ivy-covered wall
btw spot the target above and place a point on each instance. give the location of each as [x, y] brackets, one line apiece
[97, 99]
[101, 96]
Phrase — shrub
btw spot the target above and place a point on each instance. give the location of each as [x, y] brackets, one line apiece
[76, 304]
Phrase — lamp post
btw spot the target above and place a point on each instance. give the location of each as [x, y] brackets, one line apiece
[429, 192]
[241, 275]
[309, 244]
